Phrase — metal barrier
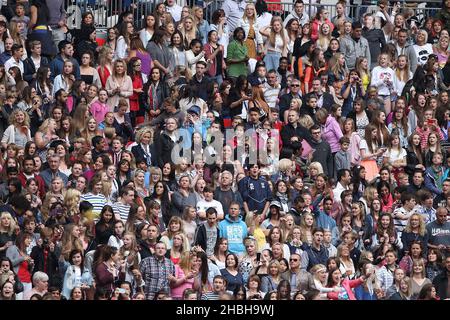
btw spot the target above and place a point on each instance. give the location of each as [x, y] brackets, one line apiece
[106, 12]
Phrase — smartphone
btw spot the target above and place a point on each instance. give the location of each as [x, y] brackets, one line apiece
[122, 290]
[258, 256]
[431, 122]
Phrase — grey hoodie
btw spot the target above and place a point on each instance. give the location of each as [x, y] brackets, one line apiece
[352, 50]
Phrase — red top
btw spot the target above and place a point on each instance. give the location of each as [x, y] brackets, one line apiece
[104, 75]
[23, 273]
[134, 99]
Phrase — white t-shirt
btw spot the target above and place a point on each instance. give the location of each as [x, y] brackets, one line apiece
[422, 52]
[394, 155]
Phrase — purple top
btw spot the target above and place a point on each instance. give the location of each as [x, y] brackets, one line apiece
[146, 61]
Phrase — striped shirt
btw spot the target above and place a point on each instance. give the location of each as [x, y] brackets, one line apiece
[98, 202]
[122, 209]
[271, 94]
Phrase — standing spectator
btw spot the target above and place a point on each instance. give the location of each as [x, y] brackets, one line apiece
[321, 151]
[255, 192]
[438, 233]
[234, 230]
[119, 85]
[157, 272]
[354, 46]
[316, 253]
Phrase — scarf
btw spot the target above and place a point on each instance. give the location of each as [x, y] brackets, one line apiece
[283, 197]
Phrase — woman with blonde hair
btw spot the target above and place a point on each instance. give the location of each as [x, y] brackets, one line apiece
[139, 184]
[306, 121]
[105, 64]
[276, 43]
[271, 281]
[72, 202]
[319, 273]
[418, 277]
[18, 132]
[91, 130]
[402, 74]
[405, 290]
[80, 116]
[188, 28]
[296, 104]
[175, 226]
[180, 245]
[324, 38]
[44, 136]
[253, 40]
[70, 241]
[144, 139]
[307, 225]
[119, 85]
[8, 227]
[414, 231]
[185, 274]
[314, 169]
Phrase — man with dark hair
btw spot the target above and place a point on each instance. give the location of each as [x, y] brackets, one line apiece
[283, 72]
[323, 217]
[122, 206]
[316, 253]
[418, 180]
[207, 235]
[355, 46]
[298, 14]
[65, 53]
[200, 80]
[321, 151]
[375, 37]
[170, 109]
[16, 58]
[17, 206]
[253, 122]
[27, 172]
[11, 172]
[403, 48]
[426, 206]
[218, 288]
[98, 147]
[286, 99]
[324, 99]
[343, 182]
[255, 191]
[402, 214]
[441, 199]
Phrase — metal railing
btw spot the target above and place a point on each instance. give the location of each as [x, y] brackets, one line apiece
[106, 12]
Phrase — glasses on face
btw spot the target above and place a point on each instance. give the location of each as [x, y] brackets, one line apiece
[295, 85]
[294, 260]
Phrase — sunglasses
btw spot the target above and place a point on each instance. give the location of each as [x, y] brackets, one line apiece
[295, 85]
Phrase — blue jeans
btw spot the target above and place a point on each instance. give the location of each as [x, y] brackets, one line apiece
[272, 60]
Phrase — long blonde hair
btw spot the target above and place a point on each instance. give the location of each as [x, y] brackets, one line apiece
[421, 224]
[245, 18]
[272, 35]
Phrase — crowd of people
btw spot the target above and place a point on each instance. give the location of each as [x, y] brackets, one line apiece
[262, 155]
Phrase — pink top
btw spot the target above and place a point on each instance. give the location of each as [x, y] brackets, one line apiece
[99, 110]
[347, 285]
[331, 132]
[177, 292]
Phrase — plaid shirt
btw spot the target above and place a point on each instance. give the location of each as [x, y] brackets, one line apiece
[155, 274]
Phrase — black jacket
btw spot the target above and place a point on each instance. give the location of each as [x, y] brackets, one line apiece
[140, 154]
[324, 156]
[201, 239]
[29, 68]
[376, 40]
[163, 146]
[440, 282]
[327, 98]
[285, 103]
[51, 264]
[288, 131]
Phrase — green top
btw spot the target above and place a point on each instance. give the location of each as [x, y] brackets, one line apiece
[237, 51]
